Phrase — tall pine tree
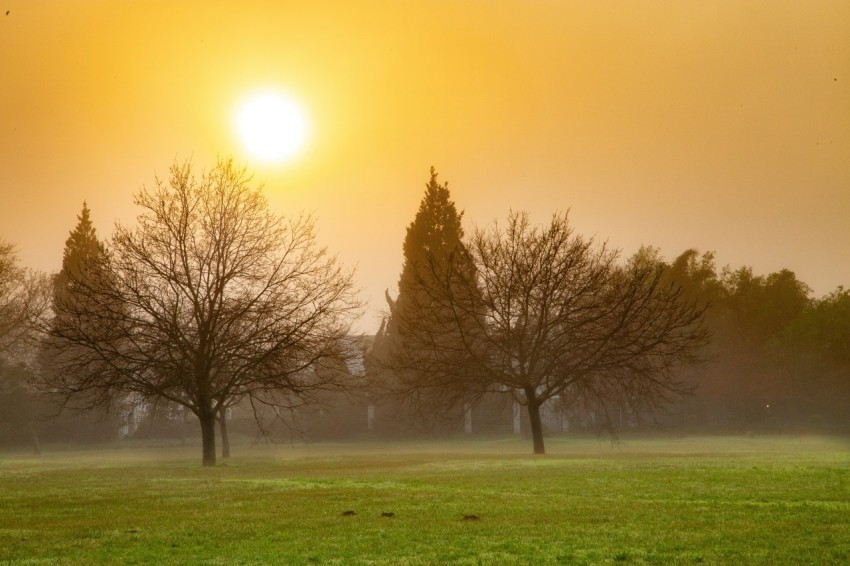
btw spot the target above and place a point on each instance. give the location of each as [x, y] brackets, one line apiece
[419, 337]
[83, 255]
[84, 275]
[85, 268]
[432, 238]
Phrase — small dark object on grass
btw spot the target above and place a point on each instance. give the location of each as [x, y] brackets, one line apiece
[388, 514]
[348, 513]
[471, 517]
[132, 532]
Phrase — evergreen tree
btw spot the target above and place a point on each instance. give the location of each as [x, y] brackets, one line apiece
[433, 236]
[85, 263]
[85, 270]
[418, 329]
[84, 254]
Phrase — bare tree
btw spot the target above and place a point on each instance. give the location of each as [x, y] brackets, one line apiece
[11, 295]
[210, 297]
[544, 312]
[24, 296]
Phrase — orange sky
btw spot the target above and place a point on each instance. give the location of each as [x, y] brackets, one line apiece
[718, 125]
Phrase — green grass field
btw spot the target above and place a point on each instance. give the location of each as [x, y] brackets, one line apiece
[763, 500]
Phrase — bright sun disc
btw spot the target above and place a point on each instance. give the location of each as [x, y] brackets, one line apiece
[273, 128]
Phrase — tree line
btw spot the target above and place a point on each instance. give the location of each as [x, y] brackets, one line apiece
[210, 300]
[540, 313]
[779, 359]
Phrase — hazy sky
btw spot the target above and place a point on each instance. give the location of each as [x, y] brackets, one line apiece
[718, 125]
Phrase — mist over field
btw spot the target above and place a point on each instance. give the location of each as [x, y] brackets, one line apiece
[517, 329]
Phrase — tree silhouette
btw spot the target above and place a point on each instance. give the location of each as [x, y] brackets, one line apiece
[23, 297]
[400, 354]
[210, 297]
[541, 312]
[12, 296]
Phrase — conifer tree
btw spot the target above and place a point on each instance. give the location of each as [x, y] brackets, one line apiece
[85, 262]
[420, 336]
[84, 253]
[431, 238]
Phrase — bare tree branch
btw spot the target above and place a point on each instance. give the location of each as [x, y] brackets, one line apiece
[542, 312]
[209, 298]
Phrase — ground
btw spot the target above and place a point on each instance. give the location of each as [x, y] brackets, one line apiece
[767, 500]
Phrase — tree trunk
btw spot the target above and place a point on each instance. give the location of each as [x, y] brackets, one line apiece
[534, 418]
[225, 439]
[36, 443]
[207, 419]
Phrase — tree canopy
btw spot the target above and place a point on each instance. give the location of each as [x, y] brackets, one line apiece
[209, 297]
[541, 312]
[23, 298]
[433, 244]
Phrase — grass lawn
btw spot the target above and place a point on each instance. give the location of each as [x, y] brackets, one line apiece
[762, 500]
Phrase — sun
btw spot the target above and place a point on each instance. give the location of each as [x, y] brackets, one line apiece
[273, 127]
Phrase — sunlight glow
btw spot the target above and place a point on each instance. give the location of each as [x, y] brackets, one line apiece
[272, 127]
